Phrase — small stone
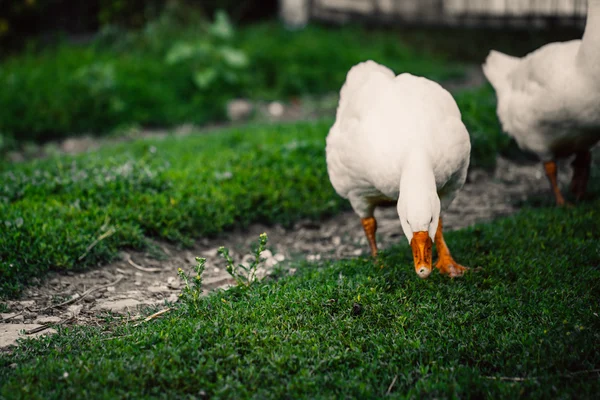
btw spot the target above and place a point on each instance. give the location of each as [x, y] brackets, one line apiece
[27, 303]
[137, 283]
[111, 289]
[138, 274]
[173, 284]
[279, 257]
[158, 289]
[336, 240]
[270, 262]
[210, 252]
[266, 254]
[239, 109]
[74, 309]
[118, 305]
[215, 269]
[313, 257]
[48, 320]
[276, 109]
[357, 252]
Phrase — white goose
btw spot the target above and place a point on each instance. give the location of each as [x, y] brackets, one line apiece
[399, 140]
[549, 100]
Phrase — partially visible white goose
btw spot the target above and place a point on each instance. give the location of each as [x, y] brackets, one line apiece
[399, 140]
[549, 100]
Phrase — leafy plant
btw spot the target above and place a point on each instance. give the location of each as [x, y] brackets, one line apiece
[192, 290]
[245, 275]
[215, 62]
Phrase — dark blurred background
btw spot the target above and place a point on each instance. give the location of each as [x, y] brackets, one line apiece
[23, 19]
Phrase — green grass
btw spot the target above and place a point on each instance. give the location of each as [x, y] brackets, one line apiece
[531, 314]
[122, 79]
[174, 189]
[177, 189]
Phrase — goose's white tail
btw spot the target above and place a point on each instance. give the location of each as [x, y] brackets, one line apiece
[497, 66]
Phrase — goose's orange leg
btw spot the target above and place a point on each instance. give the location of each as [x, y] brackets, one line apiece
[370, 226]
[445, 263]
[550, 168]
[581, 173]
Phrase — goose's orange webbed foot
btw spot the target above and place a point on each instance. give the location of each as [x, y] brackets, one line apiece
[445, 263]
[370, 226]
[551, 173]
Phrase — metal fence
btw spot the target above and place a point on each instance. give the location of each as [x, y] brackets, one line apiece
[488, 13]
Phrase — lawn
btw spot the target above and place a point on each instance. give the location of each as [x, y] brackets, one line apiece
[525, 325]
[178, 189]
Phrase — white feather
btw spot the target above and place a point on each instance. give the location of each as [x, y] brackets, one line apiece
[549, 100]
[390, 129]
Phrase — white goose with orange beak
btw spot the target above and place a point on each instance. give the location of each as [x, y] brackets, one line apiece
[549, 101]
[399, 140]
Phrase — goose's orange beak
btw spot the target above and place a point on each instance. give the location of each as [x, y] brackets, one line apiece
[421, 247]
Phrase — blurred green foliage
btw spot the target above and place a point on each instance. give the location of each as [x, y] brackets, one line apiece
[180, 68]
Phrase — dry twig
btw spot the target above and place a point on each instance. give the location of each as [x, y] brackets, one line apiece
[391, 385]
[155, 315]
[46, 326]
[136, 266]
[106, 234]
[11, 317]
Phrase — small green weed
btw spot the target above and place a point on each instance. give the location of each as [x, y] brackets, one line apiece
[192, 289]
[245, 275]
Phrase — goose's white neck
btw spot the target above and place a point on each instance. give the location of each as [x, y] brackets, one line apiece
[589, 52]
[418, 202]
